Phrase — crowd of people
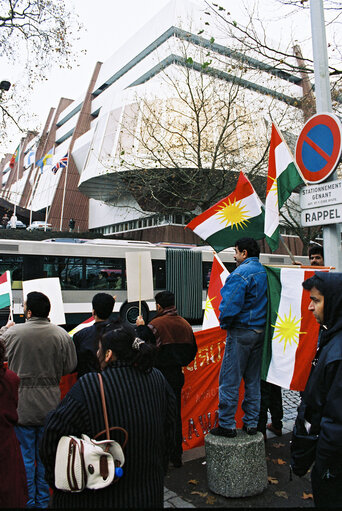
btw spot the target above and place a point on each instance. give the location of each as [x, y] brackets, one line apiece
[142, 375]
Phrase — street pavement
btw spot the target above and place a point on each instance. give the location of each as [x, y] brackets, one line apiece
[186, 487]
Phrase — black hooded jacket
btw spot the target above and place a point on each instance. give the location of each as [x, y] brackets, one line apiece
[322, 399]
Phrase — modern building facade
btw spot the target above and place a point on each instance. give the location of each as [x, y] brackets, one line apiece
[160, 132]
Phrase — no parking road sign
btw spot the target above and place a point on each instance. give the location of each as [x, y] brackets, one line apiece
[318, 148]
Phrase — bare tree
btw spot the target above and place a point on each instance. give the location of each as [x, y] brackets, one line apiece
[37, 35]
[181, 148]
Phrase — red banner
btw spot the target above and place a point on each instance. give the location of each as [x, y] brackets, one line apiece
[200, 391]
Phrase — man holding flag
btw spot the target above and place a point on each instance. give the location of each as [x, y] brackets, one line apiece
[243, 315]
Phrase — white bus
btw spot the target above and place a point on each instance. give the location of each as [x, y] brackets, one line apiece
[91, 266]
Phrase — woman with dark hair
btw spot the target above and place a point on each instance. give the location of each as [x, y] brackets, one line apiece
[139, 400]
[13, 486]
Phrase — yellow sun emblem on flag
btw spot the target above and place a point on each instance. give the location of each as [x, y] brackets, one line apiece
[208, 306]
[274, 188]
[233, 213]
[287, 328]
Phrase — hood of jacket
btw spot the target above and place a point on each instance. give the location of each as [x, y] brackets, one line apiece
[332, 291]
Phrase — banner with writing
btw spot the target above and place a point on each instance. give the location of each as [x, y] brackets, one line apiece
[200, 391]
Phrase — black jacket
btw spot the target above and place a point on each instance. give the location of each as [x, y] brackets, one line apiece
[86, 344]
[144, 405]
[321, 404]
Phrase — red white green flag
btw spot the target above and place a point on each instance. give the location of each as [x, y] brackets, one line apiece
[88, 322]
[283, 177]
[5, 290]
[291, 329]
[238, 215]
[218, 276]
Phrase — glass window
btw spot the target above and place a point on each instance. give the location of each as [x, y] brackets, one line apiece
[69, 270]
[14, 264]
[159, 274]
[105, 273]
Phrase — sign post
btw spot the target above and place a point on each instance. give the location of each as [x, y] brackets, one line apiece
[331, 233]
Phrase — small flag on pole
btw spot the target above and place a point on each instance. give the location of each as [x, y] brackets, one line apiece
[5, 290]
[15, 157]
[218, 276]
[29, 158]
[45, 160]
[61, 164]
[238, 215]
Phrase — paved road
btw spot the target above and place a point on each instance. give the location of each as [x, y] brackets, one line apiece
[194, 465]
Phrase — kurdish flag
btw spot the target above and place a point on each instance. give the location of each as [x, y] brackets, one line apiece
[238, 215]
[283, 177]
[5, 290]
[291, 329]
[218, 276]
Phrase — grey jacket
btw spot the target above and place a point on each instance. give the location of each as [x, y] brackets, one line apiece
[40, 353]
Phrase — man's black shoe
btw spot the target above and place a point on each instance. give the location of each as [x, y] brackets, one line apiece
[249, 430]
[220, 431]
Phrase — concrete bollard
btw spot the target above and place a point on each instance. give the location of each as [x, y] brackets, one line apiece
[236, 467]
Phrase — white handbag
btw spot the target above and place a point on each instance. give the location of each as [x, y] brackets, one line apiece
[88, 463]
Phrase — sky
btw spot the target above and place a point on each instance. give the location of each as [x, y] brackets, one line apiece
[108, 24]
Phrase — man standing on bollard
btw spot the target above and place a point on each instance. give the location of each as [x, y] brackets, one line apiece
[317, 435]
[243, 315]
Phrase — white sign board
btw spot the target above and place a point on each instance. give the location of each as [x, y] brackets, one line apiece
[139, 276]
[325, 194]
[52, 289]
[322, 216]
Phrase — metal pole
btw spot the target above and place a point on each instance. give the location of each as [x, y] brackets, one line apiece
[65, 183]
[17, 193]
[331, 233]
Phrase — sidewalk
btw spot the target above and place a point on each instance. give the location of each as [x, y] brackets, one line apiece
[187, 486]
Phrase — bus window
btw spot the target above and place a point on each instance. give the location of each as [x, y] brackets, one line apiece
[69, 270]
[105, 274]
[33, 267]
[159, 274]
[14, 264]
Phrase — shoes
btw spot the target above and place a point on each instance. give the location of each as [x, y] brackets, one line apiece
[220, 431]
[250, 430]
[274, 430]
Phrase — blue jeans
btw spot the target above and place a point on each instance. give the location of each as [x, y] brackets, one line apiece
[38, 489]
[242, 359]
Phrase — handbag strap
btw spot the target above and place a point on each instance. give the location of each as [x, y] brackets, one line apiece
[104, 407]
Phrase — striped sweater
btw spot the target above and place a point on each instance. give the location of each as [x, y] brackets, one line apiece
[144, 405]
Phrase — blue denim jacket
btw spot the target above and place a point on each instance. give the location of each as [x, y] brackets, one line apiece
[244, 296]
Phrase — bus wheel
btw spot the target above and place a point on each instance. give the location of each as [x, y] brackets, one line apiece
[130, 311]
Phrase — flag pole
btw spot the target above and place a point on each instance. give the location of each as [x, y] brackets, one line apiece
[139, 285]
[46, 215]
[287, 249]
[63, 200]
[19, 153]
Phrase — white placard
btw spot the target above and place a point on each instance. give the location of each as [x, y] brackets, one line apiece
[50, 287]
[139, 276]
